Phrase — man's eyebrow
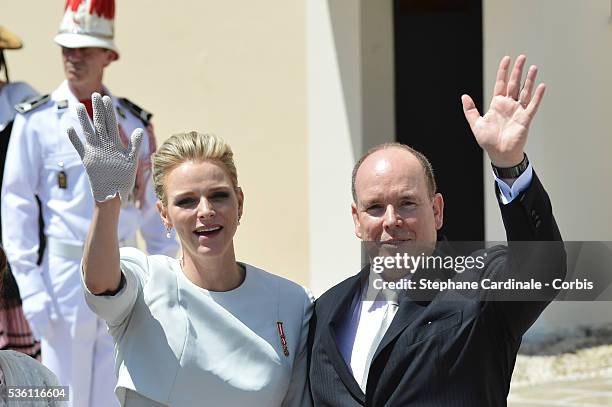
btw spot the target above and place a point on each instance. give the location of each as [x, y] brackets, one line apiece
[409, 195]
[368, 202]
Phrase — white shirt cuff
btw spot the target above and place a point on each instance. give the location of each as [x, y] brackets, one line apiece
[520, 184]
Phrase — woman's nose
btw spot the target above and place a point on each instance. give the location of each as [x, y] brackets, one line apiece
[205, 209]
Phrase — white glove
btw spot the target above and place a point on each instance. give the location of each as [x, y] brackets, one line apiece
[111, 168]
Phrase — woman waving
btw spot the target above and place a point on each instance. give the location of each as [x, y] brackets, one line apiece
[201, 329]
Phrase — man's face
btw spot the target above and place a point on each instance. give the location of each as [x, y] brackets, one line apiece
[85, 65]
[393, 202]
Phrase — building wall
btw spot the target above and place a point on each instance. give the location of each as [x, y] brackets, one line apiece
[569, 143]
[234, 68]
[350, 109]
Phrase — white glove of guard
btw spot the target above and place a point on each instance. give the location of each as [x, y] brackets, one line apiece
[111, 168]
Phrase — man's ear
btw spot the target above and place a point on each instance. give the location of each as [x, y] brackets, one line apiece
[356, 220]
[110, 57]
[163, 214]
[438, 210]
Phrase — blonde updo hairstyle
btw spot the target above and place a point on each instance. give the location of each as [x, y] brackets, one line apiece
[191, 146]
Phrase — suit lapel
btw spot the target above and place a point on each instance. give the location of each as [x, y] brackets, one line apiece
[338, 317]
[407, 313]
[410, 309]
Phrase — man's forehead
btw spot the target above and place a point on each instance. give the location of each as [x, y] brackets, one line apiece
[376, 192]
[392, 160]
[390, 170]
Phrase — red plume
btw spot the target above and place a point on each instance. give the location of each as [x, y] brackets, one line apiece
[73, 4]
[103, 8]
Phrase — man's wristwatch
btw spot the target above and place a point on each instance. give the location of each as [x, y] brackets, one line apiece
[511, 172]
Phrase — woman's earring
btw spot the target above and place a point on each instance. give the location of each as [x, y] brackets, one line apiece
[169, 232]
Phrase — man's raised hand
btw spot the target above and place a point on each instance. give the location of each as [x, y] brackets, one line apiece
[502, 131]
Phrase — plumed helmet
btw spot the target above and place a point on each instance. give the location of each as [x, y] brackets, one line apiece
[88, 23]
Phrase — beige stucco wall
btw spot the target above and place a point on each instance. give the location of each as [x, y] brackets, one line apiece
[569, 143]
[235, 68]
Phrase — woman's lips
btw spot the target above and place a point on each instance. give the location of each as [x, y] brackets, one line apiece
[208, 232]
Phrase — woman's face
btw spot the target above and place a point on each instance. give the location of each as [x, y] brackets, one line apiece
[203, 206]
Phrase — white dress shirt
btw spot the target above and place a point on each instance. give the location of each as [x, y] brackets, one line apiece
[372, 310]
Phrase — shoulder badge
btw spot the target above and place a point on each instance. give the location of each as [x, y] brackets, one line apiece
[32, 103]
[136, 110]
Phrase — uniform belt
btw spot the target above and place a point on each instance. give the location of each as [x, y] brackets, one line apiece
[74, 251]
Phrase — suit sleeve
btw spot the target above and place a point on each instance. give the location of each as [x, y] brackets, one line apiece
[298, 394]
[535, 250]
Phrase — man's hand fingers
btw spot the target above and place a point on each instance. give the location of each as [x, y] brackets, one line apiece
[525, 97]
[135, 142]
[514, 85]
[501, 84]
[99, 119]
[532, 107]
[90, 135]
[76, 142]
[470, 110]
[111, 121]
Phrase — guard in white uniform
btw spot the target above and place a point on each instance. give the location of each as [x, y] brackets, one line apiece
[15, 332]
[42, 162]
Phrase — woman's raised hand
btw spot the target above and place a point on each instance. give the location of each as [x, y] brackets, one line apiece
[110, 166]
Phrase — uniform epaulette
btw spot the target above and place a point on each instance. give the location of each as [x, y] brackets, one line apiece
[32, 103]
[137, 110]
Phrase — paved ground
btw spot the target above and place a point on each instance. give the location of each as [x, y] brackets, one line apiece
[596, 392]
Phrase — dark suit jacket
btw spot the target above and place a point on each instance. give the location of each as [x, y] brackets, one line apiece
[441, 351]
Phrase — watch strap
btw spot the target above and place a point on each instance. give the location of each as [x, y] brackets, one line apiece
[511, 172]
